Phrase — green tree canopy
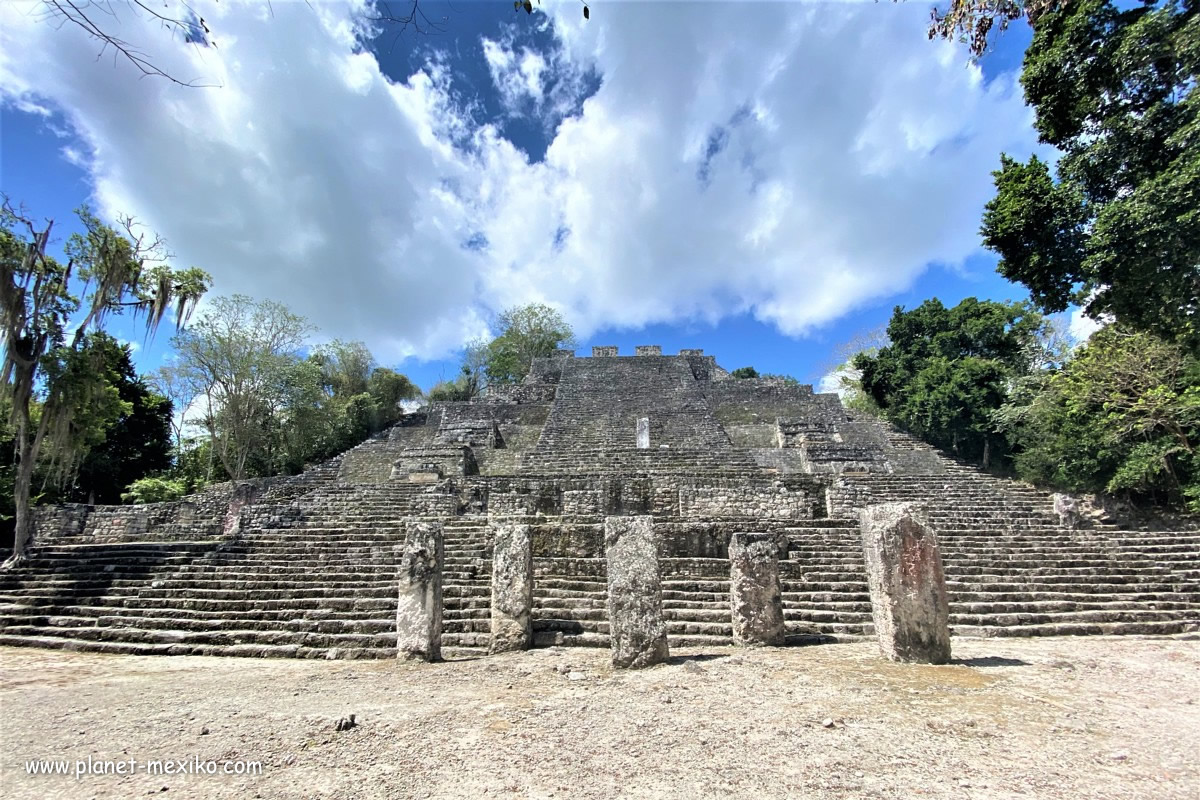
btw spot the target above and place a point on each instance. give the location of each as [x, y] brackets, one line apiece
[1116, 228]
[526, 332]
[946, 370]
[1122, 416]
[269, 408]
[136, 443]
[44, 365]
[240, 353]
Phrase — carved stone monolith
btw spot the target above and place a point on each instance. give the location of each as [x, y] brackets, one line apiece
[636, 626]
[512, 587]
[755, 595]
[419, 610]
[909, 603]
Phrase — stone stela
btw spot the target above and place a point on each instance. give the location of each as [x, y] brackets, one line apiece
[512, 587]
[909, 602]
[637, 629]
[642, 502]
[756, 598]
[419, 607]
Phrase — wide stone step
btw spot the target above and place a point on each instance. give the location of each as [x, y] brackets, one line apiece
[1072, 628]
[572, 613]
[1070, 583]
[463, 625]
[212, 637]
[382, 611]
[239, 650]
[832, 617]
[1059, 606]
[297, 605]
[1075, 617]
[367, 582]
[14, 622]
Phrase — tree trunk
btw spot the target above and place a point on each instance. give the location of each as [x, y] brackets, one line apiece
[28, 443]
[22, 486]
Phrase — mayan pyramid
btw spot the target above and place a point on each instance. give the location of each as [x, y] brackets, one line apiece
[306, 566]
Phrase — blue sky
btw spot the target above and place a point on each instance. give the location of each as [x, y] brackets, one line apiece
[764, 181]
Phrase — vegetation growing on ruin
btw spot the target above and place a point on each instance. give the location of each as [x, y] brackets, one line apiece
[1111, 227]
[947, 370]
[268, 404]
[55, 370]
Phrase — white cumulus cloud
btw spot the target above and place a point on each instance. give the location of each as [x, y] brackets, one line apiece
[1081, 327]
[794, 161]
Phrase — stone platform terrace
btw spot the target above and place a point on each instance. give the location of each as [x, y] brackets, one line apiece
[306, 566]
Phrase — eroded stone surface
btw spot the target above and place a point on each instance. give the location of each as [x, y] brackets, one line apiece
[755, 596]
[909, 603]
[1067, 507]
[643, 433]
[637, 629]
[512, 587]
[419, 606]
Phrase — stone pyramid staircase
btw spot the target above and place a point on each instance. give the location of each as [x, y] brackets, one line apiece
[310, 587]
[1033, 584]
[311, 570]
[314, 578]
[593, 422]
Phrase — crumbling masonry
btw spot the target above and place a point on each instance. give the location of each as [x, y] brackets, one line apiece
[310, 566]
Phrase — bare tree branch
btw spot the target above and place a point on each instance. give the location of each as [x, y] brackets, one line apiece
[413, 17]
[86, 14]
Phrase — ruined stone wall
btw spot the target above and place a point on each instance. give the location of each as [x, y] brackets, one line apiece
[214, 511]
[783, 462]
[684, 496]
[345, 501]
[731, 499]
[757, 392]
[844, 498]
[204, 515]
[450, 414]
[520, 393]
[566, 538]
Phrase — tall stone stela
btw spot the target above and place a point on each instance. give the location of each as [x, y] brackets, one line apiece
[419, 602]
[512, 587]
[756, 598]
[909, 602]
[637, 630]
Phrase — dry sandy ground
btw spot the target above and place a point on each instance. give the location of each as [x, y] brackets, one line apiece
[1048, 718]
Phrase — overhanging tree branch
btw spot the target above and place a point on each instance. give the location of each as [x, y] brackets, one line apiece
[87, 14]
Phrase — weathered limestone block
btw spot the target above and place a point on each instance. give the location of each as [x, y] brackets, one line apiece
[754, 590]
[648, 350]
[419, 610]
[643, 433]
[636, 626]
[1068, 510]
[512, 587]
[604, 351]
[909, 603]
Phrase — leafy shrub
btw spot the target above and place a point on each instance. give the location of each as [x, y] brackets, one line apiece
[153, 490]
